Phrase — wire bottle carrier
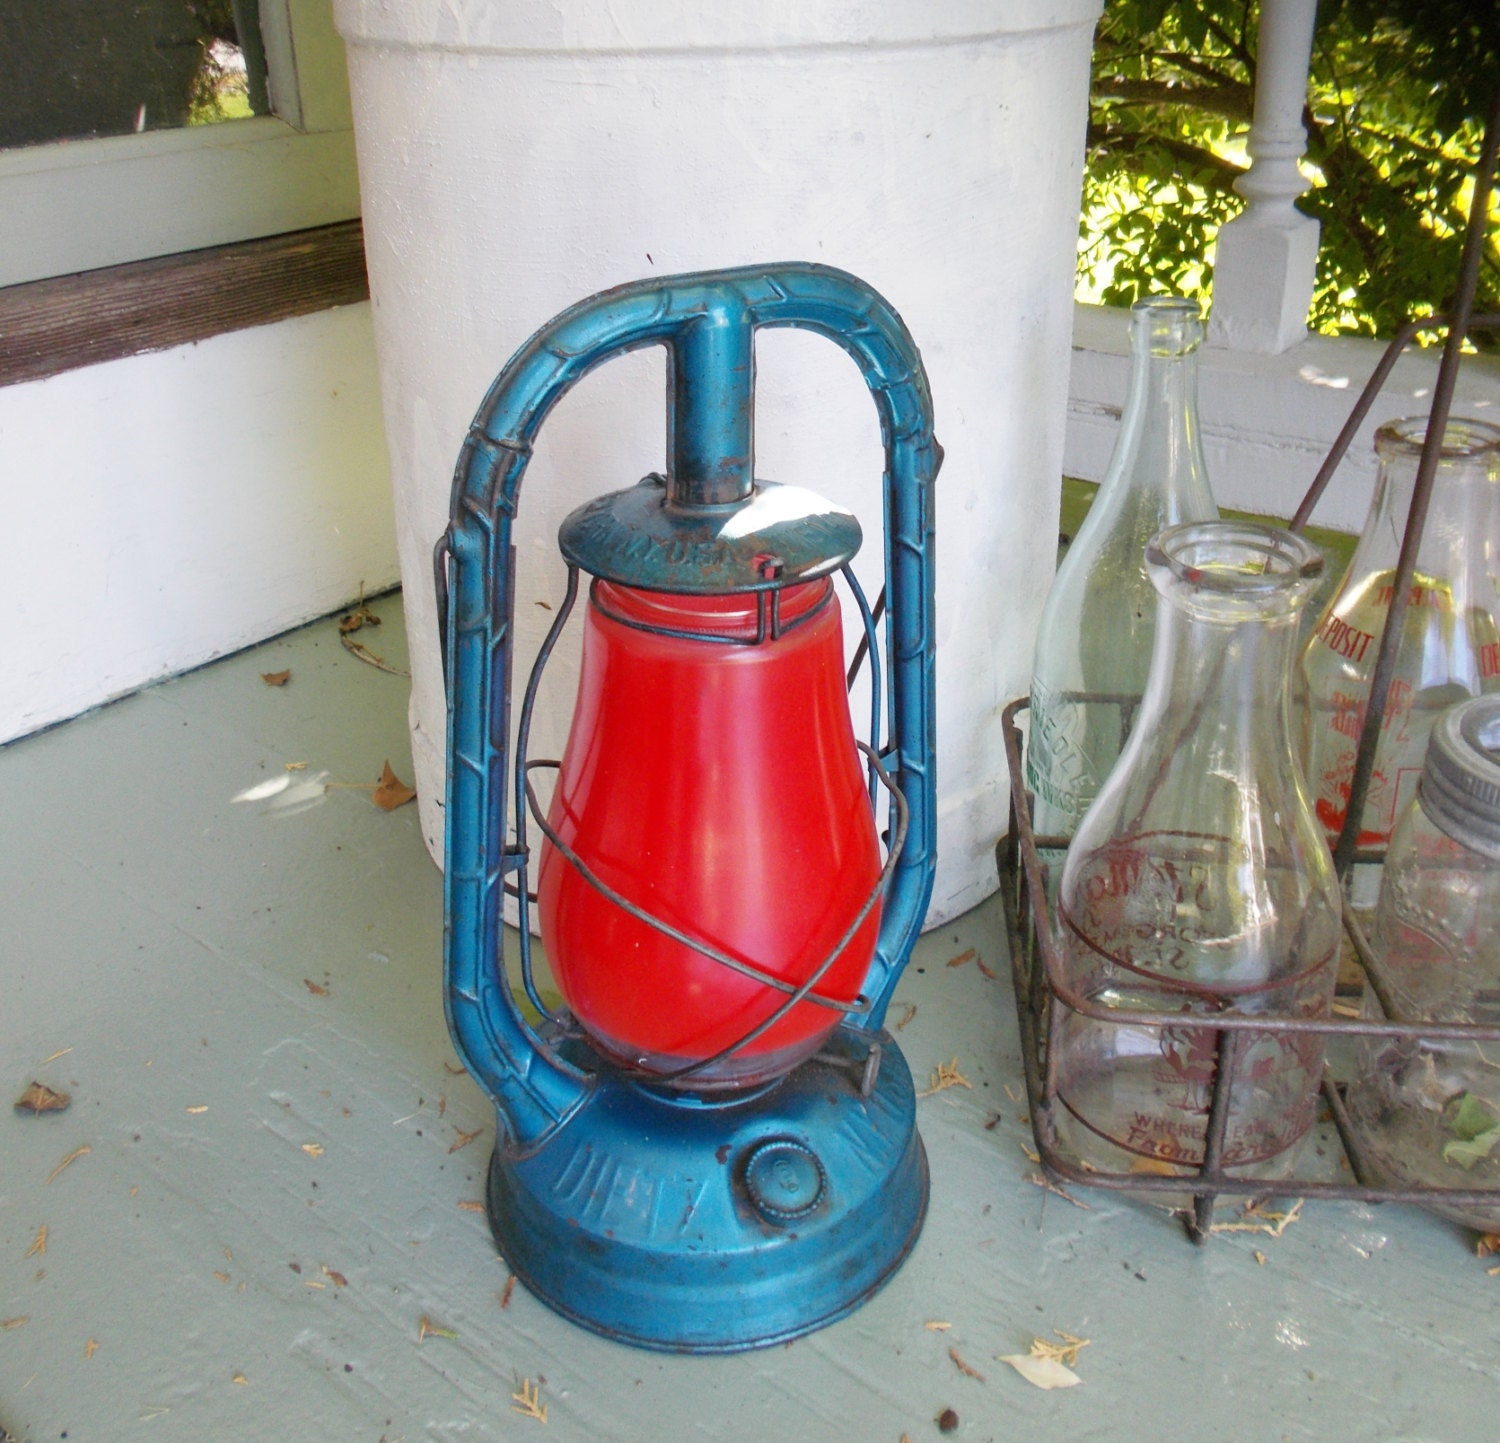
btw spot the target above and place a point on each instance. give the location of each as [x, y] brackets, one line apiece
[1042, 991]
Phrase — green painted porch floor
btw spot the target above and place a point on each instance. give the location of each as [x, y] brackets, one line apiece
[271, 1188]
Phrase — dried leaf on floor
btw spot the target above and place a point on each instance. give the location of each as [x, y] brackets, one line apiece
[40, 1245]
[464, 1138]
[314, 988]
[240, 1378]
[1031, 1155]
[222, 1277]
[996, 1118]
[428, 1329]
[1037, 1179]
[528, 1401]
[944, 1076]
[1256, 1219]
[470, 1205]
[1259, 1257]
[72, 1157]
[1042, 1372]
[391, 792]
[360, 615]
[360, 652]
[8, 1323]
[1067, 1351]
[964, 1368]
[276, 678]
[911, 1011]
[1488, 1243]
[965, 956]
[335, 1277]
[313, 1149]
[937, 1327]
[985, 971]
[506, 1291]
[1048, 1364]
[200, 1108]
[90, 1348]
[39, 1098]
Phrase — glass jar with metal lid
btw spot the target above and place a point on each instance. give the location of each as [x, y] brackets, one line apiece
[1426, 1109]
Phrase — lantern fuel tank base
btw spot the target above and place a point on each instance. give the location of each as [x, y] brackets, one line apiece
[712, 1224]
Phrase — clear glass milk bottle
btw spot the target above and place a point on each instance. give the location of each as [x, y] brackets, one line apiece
[1199, 884]
[1426, 1110]
[1093, 646]
[1449, 646]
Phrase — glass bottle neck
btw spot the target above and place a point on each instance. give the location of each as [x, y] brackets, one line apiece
[1460, 515]
[1213, 679]
[1160, 448]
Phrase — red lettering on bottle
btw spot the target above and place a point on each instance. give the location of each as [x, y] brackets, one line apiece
[1338, 636]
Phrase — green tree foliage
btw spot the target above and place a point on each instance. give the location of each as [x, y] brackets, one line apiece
[1398, 95]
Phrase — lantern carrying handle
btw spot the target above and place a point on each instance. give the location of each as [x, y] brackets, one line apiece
[706, 321]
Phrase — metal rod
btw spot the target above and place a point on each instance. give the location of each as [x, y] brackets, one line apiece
[440, 553]
[1226, 1055]
[805, 990]
[864, 646]
[868, 643]
[1345, 1128]
[1369, 964]
[523, 737]
[1489, 321]
[1416, 520]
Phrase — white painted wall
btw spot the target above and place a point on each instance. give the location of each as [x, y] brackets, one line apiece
[515, 158]
[166, 509]
[1268, 420]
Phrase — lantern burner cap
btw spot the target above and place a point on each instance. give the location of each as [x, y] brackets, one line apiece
[642, 538]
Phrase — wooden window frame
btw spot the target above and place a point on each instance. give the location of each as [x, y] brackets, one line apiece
[55, 325]
[80, 205]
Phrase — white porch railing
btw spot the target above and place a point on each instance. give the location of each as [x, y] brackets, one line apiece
[1268, 420]
[1272, 398]
[1266, 257]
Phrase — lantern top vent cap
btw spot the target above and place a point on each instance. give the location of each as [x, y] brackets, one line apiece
[774, 537]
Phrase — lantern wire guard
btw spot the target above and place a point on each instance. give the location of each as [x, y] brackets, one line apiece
[1038, 973]
[632, 1200]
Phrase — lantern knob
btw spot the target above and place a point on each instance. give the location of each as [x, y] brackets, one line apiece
[785, 1179]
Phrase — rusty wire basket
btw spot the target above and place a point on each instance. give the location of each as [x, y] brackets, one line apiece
[1042, 992]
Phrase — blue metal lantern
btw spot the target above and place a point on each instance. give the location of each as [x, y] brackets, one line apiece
[729, 1198]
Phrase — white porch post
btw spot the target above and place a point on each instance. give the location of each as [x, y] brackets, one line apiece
[1264, 267]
